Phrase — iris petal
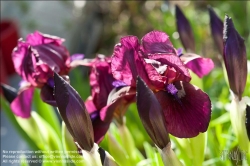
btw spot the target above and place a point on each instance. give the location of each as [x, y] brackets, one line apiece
[126, 63]
[172, 61]
[199, 65]
[188, 115]
[157, 42]
[21, 105]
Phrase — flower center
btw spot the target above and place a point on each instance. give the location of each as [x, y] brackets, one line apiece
[173, 91]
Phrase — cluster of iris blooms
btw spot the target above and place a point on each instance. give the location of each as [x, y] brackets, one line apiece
[150, 72]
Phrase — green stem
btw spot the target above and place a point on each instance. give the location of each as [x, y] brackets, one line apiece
[168, 156]
[238, 119]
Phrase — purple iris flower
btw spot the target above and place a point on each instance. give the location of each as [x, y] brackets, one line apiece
[186, 108]
[35, 60]
[235, 57]
[104, 87]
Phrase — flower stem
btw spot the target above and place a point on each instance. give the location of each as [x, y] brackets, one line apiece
[237, 113]
[168, 156]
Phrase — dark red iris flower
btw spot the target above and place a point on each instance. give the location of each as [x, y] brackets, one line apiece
[186, 108]
[108, 98]
[36, 60]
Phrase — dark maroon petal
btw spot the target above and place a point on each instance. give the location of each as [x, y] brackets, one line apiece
[248, 121]
[101, 80]
[151, 114]
[216, 26]
[200, 66]
[155, 71]
[157, 42]
[187, 115]
[38, 38]
[126, 63]
[235, 57]
[176, 70]
[47, 95]
[56, 57]
[9, 92]
[184, 30]
[24, 62]
[118, 101]
[21, 105]
[74, 113]
[100, 129]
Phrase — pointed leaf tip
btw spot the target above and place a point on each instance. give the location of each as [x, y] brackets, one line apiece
[73, 112]
[151, 114]
[9, 92]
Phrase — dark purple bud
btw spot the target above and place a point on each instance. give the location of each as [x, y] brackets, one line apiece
[248, 121]
[151, 114]
[9, 92]
[235, 57]
[184, 29]
[74, 113]
[216, 26]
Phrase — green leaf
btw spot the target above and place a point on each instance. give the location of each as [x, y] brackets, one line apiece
[47, 112]
[129, 145]
[117, 151]
[220, 120]
[50, 138]
[6, 109]
[30, 126]
[69, 146]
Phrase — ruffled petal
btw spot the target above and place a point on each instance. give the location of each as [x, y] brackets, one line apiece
[21, 105]
[188, 113]
[200, 66]
[126, 63]
[175, 71]
[24, 61]
[38, 38]
[157, 42]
